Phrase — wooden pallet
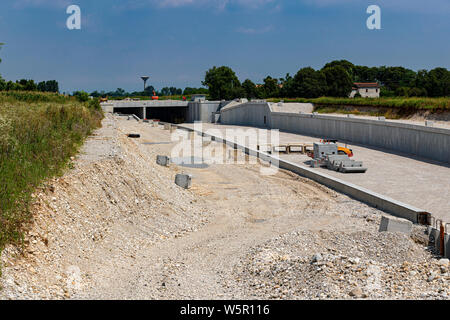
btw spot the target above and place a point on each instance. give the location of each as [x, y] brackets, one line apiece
[286, 147]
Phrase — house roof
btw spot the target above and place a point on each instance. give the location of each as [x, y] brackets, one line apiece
[366, 85]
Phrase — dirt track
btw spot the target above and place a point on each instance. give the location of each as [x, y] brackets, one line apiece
[116, 226]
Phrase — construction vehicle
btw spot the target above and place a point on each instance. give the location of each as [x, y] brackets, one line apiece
[155, 97]
[341, 150]
[326, 154]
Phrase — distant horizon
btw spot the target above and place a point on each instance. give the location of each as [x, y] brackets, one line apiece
[176, 41]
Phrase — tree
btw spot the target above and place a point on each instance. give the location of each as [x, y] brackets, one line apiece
[395, 77]
[52, 86]
[347, 65]
[339, 82]
[249, 89]
[190, 91]
[437, 82]
[271, 87]
[287, 89]
[223, 83]
[365, 74]
[309, 83]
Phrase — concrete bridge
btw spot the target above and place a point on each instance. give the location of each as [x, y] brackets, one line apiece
[167, 110]
[173, 111]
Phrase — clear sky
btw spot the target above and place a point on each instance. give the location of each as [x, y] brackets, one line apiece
[176, 41]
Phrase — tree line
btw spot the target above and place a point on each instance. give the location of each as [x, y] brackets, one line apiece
[335, 79]
[29, 85]
[148, 92]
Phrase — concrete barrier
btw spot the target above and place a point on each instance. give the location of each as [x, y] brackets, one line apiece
[424, 141]
[374, 199]
[391, 224]
[184, 180]
[163, 161]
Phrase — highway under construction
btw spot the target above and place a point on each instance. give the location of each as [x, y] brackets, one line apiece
[136, 218]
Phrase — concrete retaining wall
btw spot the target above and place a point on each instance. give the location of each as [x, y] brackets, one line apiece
[255, 114]
[426, 142]
[202, 111]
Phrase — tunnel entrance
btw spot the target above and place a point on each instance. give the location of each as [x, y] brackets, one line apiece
[137, 111]
[168, 114]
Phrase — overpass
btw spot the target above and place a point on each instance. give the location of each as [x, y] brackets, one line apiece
[173, 111]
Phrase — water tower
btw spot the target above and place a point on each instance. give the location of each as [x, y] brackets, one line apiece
[145, 78]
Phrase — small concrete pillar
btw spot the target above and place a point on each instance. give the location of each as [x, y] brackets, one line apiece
[183, 180]
[381, 118]
[167, 126]
[429, 123]
[163, 161]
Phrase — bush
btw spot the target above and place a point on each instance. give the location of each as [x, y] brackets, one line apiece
[81, 96]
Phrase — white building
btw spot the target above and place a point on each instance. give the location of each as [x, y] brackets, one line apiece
[366, 89]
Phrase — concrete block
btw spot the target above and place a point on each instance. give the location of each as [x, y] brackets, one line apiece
[163, 161]
[382, 118]
[392, 224]
[429, 123]
[183, 180]
[167, 126]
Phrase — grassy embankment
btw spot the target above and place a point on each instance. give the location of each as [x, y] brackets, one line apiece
[389, 107]
[39, 132]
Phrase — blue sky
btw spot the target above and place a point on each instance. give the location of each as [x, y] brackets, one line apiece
[176, 41]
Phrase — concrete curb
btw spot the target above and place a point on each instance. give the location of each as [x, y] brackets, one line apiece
[374, 199]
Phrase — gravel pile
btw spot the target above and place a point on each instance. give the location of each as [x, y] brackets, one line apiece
[360, 265]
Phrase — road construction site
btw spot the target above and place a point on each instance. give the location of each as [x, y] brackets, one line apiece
[411, 180]
[116, 226]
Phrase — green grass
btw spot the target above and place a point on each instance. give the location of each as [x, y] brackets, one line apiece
[39, 132]
[400, 103]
